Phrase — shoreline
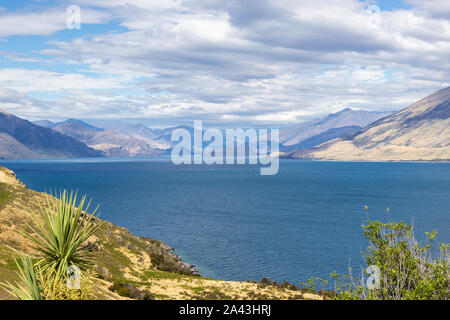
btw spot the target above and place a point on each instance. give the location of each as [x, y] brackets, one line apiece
[119, 159]
[127, 266]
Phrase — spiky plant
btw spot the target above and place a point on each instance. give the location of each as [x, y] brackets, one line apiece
[30, 289]
[60, 232]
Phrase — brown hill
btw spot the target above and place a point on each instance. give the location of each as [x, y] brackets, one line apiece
[22, 139]
[420, 132]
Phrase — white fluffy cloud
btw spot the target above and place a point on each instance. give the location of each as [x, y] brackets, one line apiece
[44, 22]
[251, 61]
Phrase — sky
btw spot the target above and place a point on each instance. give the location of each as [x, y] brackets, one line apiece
[241, 62]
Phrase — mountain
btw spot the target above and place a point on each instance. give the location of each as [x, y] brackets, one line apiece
[74, 124]
[345, 118]
[164, 136]
[320, 138]
[156, 138]
[129, 129]
[45, 123]
[77, 129]
[111, 143]
[21, 139]
[418, 132]
[138, 131]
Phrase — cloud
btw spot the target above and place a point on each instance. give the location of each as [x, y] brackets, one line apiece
[25, 80]
[236, 61]
[436, 8]
[44, 22]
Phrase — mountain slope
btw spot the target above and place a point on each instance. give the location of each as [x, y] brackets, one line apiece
[418, 132]
[344, 118]
[22, 139]
[109, 142]
[77, 129]
[45, 123]
[128, 129]
[137, 131]
[320, 138]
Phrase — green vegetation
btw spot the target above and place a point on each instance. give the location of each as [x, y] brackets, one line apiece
[213, 294]
[59, 232]
[4, 196]
[130, 291]
[398, 267]
[31, 289]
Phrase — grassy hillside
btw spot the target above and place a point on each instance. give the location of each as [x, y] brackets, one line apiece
[134, 267]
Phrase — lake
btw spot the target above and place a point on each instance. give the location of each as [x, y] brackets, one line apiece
[234, 224]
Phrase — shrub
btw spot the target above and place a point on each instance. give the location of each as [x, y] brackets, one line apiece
[407, 269]
[130, 291]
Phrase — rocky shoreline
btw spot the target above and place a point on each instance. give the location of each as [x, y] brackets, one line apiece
[193, 270]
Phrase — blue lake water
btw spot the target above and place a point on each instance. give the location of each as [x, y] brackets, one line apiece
[235, 224]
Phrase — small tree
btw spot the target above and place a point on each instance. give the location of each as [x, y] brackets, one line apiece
[407, 270]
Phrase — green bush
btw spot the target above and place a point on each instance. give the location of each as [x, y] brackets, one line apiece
[407, 269]
[130, 291]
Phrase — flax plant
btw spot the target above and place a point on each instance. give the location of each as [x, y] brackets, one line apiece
[60, 232]
[30, 289]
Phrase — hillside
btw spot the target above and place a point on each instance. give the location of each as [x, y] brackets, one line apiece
[45, 123]
[317, 130]
[418, 132]
[111, 143]
[144, 267]
[320, 138]
[137, 131]
[21, 139]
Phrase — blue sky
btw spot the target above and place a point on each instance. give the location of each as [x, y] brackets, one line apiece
[392, 4]
[254, 62]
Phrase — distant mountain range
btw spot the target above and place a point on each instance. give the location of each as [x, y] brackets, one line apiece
[154, 137]
[21, 139]
[125, 141]
[311, 133]
[418, 132]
